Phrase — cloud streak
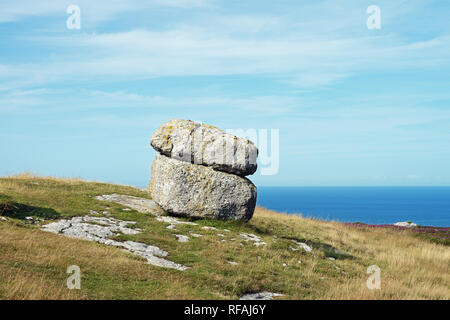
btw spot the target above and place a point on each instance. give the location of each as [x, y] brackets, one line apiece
[332, 47]
[192, 52]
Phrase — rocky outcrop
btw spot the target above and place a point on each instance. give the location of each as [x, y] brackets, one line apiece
[206, 145]
[189, 190]
[200, 171]
[102, 229]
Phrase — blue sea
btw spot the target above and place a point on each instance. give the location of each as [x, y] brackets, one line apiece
[427, 206]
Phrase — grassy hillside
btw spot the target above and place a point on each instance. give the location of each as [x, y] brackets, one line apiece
[33, 262]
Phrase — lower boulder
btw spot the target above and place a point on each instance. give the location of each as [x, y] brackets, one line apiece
[190, 190]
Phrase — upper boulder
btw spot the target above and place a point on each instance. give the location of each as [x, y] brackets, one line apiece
[206, 145]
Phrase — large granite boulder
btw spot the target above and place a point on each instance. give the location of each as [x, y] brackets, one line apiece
[205, 145]
[190, 190]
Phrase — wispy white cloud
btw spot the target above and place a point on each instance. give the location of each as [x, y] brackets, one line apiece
[192, 52]
[359, 116]
[44, 100]
[225, 44]
[316, 79]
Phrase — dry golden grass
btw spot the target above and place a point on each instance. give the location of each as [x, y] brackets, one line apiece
[410, 267]
[33, 263]
[34, 176]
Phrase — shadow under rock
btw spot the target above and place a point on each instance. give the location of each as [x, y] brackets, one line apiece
[20, 211]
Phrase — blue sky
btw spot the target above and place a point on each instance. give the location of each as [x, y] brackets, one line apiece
[353, 106]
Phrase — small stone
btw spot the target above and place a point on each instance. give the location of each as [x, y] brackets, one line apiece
[181, 238]
[196, 235]
[303, 245]
[331, 258]
[209, 228]
[232, 263]
[254, 238]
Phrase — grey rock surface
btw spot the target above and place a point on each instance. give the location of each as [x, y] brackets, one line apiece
[174, 221]
[302, 245]
[190, 190]
[181, 238]
[260, 296]
[209, 228]
[196, 235]
[101, 229]
[206, 145]
[141, 205]
[253, 238]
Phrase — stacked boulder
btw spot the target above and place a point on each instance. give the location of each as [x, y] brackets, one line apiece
[200, 171]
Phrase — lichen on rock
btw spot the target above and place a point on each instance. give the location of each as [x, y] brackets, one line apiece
[206, 145]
